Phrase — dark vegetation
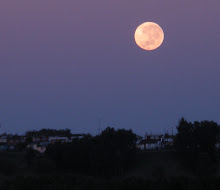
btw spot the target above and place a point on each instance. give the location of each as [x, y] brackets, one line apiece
[86, 183]
[111, 160]
[195, 145]
[107, 154]
[49, 132]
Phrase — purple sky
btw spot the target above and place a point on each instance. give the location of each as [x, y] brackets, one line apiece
[65, 64]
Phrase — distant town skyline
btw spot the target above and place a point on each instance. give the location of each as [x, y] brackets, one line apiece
[68, 64]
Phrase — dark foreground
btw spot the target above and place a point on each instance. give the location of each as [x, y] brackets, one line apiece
[152, 171]
[86, 183]
[112, 161]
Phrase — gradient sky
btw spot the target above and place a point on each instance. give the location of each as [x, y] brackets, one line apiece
[69, 63]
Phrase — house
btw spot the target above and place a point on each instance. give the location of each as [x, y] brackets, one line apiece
[40, 139]
[9, 142]
[139, 139]
[3, 139]
[22, 139]
[32, 145]
[76, 136]
[151, 142]
[53, 140]
[40, 147]
[168, 141]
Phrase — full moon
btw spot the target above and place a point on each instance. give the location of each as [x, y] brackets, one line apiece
[149, 36]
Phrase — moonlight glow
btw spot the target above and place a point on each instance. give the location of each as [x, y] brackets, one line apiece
[149, 36]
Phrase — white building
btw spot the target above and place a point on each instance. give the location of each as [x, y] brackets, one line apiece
[53, 140]
[151, 142]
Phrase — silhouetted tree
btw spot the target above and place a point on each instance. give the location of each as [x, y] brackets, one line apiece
[196, 143]
[184, 138]
[72, 156]
[49, 132]
[106, 154]
[201, 136]
[114, 151]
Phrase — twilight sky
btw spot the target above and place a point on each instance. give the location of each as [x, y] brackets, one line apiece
[69, 63]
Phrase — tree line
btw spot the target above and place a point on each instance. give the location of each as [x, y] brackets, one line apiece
[49, 132]
[107, 154]
[113, 152]
[197, 145]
